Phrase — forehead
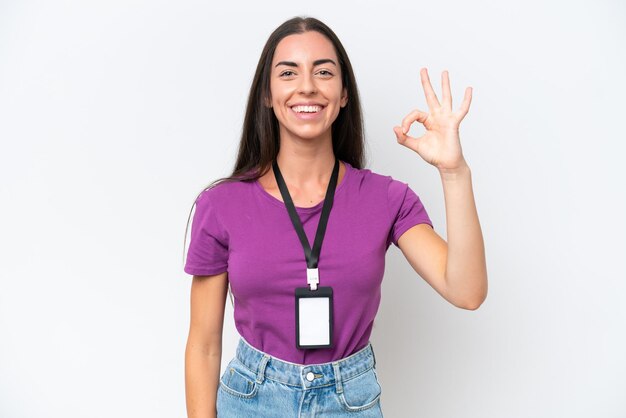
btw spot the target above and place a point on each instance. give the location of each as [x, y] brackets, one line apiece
[304, 47]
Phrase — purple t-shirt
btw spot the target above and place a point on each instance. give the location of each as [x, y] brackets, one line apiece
[240, 228]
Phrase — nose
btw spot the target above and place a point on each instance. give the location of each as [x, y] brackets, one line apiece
[307, 84]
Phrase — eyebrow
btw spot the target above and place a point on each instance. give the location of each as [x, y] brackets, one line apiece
[315, 63]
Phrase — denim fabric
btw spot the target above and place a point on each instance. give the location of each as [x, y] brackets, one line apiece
[258, 385]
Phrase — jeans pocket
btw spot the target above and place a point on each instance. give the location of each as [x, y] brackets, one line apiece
[361, 392]
[238, 380]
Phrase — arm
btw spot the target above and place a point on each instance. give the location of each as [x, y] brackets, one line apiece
[203, 353]
[456, 269]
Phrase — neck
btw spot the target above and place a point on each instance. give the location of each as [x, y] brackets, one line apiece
[306, 162]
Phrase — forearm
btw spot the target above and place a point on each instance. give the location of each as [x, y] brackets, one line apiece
[202, 373]
[466, 270]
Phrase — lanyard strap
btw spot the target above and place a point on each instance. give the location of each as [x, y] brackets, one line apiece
[312, 256]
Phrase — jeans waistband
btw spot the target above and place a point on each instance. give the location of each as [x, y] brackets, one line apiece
[305, 376]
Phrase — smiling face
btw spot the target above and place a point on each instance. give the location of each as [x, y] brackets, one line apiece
[305, 86]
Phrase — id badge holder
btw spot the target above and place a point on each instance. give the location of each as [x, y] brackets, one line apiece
[314, 317]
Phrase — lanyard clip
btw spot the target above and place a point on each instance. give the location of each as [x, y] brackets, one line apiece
[312, 278]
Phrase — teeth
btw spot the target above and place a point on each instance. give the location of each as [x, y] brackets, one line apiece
[306, 109]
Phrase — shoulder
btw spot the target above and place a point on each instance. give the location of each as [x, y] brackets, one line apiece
[224, 193]
[218, 189]
[366, 178]
[397, 194]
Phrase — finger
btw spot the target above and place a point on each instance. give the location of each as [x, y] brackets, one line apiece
[467, 99]
[416, 115]
[404, 139]
[431, 97]
[445, 90]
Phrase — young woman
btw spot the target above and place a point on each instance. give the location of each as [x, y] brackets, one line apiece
[300, 230]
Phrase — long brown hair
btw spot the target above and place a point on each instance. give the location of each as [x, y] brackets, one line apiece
[260, 140]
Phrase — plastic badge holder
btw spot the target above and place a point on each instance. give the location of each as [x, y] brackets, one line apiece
[314, 317]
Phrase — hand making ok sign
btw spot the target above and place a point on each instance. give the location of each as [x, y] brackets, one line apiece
[440, 145]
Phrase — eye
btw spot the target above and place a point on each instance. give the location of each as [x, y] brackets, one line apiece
[325, 73]
[287, 73]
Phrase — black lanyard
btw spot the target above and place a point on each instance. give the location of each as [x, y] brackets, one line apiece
[312, 256]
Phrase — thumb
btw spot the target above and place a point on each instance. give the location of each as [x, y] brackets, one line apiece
[404, 139]
[400, 136]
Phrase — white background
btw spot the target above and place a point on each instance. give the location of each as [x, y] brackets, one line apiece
[115, 114]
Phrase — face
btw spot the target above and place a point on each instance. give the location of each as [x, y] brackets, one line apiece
[305, 86]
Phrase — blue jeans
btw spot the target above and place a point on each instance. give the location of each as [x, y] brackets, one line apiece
[258, 385]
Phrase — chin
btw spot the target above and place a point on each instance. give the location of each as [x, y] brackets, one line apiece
[308, 134]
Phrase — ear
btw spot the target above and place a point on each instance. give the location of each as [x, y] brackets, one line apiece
[268, 102]
[344, 97]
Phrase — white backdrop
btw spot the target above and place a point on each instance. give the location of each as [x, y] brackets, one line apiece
[115, 114]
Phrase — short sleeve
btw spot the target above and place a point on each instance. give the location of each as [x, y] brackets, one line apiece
[208, 246]
[406, 210]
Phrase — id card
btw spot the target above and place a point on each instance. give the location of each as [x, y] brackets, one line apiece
[314, 317]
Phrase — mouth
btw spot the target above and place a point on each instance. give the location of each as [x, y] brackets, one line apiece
[310, 109]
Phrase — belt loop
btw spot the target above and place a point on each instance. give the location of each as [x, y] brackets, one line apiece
[261, 372]
[373, 355]
[338, 383]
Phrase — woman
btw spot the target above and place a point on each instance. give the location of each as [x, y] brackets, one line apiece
[300, 230]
